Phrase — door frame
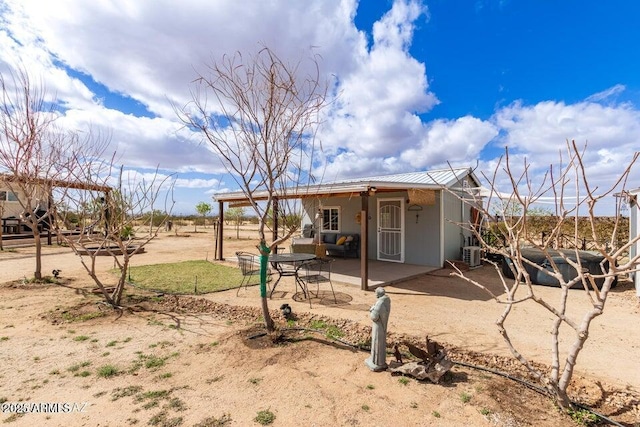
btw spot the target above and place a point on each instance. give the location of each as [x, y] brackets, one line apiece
[402, 228]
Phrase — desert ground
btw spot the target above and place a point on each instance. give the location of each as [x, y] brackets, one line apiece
[199, 361]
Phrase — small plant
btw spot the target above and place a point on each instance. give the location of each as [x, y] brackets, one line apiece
[436, 414]
[112, 343]
[465, 397]
[176, 404]
[414, 405]
[365, 408]
[55, 372]
[156, 394]
[165, 375]
[255, 380]
[214, 422]
[318, 324]
[291, 323]
[107, 371]
[160, 419]
[370, 386]
[77, 366]
[82, 374]
[154, 362]
[4, 338]
[403, 380]
[334, 332]
[214, 379]
[265, 417]
[583, 417]
[485, 411]
[124, 392]
[81, 338]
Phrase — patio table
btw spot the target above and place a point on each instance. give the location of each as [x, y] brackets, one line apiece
[11, 225]
[281, 261]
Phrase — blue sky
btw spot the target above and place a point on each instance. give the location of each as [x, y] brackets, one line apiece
[422, 83]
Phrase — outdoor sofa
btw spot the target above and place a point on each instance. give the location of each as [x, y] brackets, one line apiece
[341, 244]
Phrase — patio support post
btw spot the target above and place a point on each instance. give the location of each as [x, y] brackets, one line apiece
[364, 232]
[276, 214]
[219, 238]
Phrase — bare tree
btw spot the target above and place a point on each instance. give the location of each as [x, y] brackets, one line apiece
[35, 156]
[114, 220]
[265, 116]
[572, 192]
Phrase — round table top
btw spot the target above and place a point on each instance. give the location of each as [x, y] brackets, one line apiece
[290, 257]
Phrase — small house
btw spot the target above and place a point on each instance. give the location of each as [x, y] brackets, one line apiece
[411, 218]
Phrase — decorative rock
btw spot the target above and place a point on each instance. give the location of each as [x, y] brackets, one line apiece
[421, 371]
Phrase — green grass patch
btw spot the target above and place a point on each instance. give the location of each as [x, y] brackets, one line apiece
[265, 417]
[107, 371]
[180, 277]
[71, 317]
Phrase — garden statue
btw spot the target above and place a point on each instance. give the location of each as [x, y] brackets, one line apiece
[379, 313]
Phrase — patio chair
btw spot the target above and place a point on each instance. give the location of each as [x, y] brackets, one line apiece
[315, 272]
[249, 265]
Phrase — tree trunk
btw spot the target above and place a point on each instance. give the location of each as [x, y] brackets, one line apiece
[36, 240]
[560, 396]
[264, 261]
[116, 297]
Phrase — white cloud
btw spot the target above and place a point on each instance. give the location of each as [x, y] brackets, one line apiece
[450, 140]
[197, 183]
[541, 131]
[606, 94]
[151, 51]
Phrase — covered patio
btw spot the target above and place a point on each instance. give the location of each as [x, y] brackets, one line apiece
[380, 273]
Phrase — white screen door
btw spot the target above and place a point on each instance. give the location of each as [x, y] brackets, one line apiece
[391, 230]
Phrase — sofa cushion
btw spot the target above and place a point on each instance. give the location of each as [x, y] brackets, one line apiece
[329, 238]
[341, 240]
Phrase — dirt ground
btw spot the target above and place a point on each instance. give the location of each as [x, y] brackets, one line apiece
[189, 361]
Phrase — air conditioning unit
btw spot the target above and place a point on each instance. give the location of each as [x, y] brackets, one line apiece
[471, 255]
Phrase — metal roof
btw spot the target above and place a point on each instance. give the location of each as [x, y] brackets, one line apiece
[434, 180]
[442, 177]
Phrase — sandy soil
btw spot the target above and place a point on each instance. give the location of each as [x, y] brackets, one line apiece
[197, 367]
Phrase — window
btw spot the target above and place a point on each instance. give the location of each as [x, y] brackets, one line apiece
[8, 196]
[331, 219]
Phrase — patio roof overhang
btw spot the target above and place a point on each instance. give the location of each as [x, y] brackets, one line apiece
[76, 185]
[317, 191]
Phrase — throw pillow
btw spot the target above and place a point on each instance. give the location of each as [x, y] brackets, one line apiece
[350, 239]
[341, 240]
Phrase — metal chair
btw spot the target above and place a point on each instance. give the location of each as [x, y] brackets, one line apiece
[249, 265]
[314, 272]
